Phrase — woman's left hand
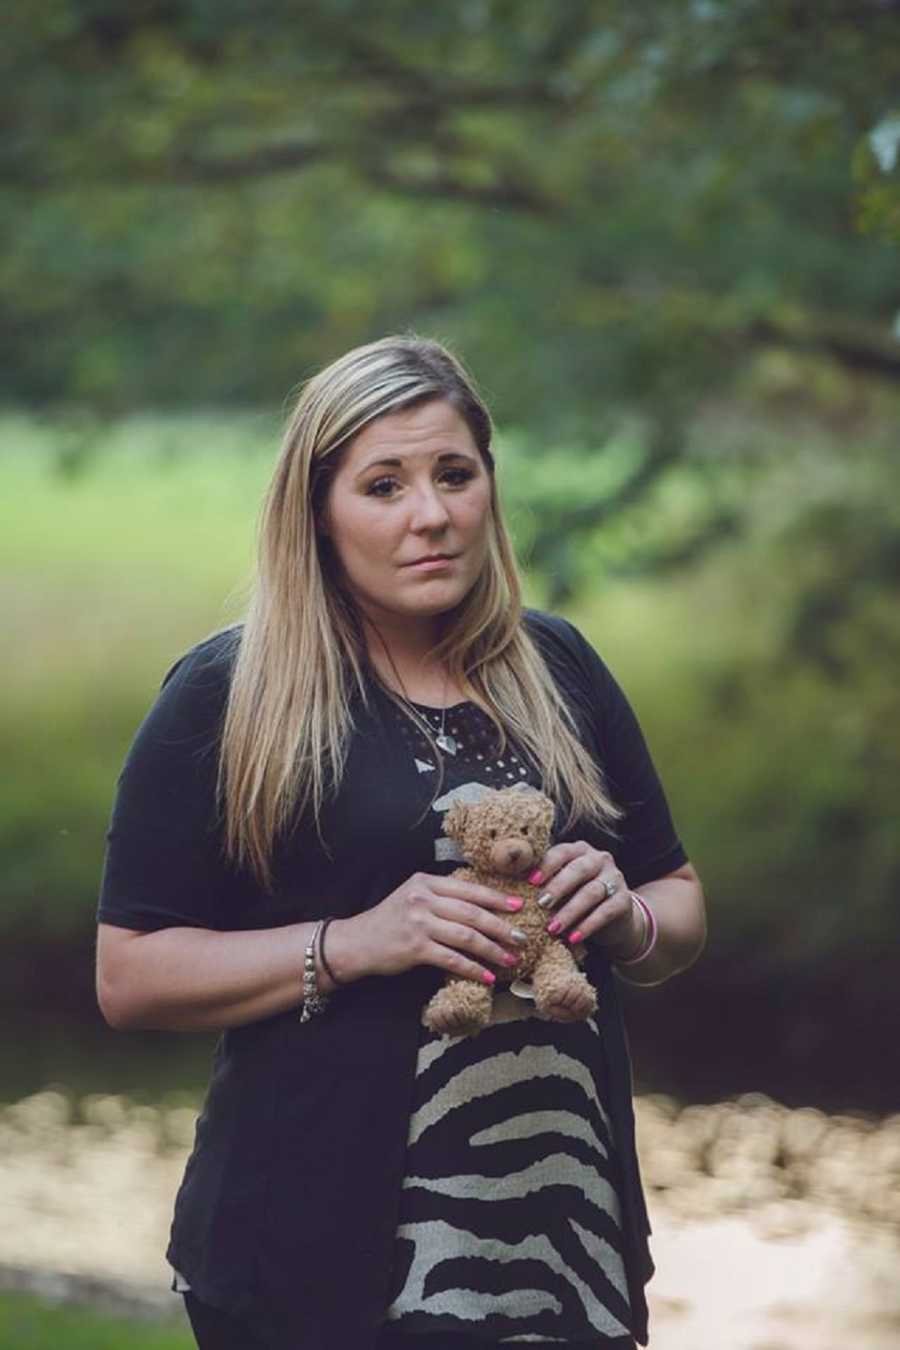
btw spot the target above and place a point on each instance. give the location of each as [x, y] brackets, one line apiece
[588, 897]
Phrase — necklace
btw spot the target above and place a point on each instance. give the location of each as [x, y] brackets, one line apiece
[443, 740]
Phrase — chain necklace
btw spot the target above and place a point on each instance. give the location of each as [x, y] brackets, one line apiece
[443, 740]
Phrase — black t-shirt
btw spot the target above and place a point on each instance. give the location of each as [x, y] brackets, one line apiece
[164, 865]
[292, 1188]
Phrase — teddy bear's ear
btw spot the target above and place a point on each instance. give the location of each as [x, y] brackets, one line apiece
[455, 819]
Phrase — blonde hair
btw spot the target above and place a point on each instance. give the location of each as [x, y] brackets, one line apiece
[288, 717]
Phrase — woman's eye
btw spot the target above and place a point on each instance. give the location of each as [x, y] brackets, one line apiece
[381, 487]
[457, 477]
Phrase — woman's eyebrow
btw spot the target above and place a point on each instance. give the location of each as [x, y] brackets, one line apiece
[394, 463]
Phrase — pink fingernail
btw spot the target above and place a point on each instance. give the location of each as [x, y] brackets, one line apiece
[576, 936]
[512, 902]
[488, 976]
[554, 926]
[536, 877]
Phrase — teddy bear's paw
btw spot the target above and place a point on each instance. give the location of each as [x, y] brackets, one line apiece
[459, 1009]
[573, 1003]
[453, 1023]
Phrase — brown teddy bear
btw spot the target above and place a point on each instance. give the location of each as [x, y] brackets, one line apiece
[503, 836]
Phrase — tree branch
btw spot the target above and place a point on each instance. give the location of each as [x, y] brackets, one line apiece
[858, 348]
[725, 524]
[503, 194]
[258, 163]
[567, 522]
[429, 87]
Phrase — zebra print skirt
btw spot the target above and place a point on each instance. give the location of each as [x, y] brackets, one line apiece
[510, 1222]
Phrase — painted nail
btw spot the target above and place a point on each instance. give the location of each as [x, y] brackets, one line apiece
[554, 926]
[488, 976]
[536, 877]
[510, 959]
[576, 936]
[513, 902]
[545, 900]
[518, 935]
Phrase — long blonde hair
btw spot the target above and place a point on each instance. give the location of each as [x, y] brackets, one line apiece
[302, 652]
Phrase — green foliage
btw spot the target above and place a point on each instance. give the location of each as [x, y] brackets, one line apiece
[876, 168]
[606, 206]
[614, 212]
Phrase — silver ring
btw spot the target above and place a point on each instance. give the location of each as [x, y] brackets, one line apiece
[611, 888]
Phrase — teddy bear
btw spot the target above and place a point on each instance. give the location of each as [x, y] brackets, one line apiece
[502, 836]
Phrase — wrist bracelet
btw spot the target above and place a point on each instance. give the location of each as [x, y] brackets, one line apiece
[651, 932]
[645, 931]
[322, 957]
[313, 1001]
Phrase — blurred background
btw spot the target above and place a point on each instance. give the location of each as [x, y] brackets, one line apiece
[664, 238]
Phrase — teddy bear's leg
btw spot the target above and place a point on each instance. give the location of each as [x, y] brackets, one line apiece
[459, 1008]
[562, 992]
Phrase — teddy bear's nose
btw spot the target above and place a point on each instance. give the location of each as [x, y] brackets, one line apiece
[514, 855]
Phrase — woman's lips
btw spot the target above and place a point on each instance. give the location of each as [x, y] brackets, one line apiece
[431, 564]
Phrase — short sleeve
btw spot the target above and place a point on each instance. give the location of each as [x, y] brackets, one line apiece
[646, 845]
[164, 865]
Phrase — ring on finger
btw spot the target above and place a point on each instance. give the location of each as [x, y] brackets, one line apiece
[611, 888]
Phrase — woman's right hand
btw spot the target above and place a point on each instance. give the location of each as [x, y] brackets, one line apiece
[437, 921]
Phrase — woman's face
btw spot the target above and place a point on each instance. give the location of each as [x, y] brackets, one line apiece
[408, 512]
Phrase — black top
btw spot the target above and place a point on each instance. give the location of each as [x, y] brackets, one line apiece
[288, 1208]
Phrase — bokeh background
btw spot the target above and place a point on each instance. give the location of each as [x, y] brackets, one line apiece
[664, 238]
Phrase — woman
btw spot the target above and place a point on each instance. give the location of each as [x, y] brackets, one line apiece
[356, 1181]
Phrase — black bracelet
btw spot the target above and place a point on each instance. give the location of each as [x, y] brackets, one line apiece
[326, 967]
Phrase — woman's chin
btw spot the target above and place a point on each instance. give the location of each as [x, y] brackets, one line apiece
[434, 597]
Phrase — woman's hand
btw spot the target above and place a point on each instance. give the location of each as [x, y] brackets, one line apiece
[436, 921]
[588, 897]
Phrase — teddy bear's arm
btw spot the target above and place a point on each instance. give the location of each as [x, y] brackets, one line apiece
[508, 885]
[467, 874]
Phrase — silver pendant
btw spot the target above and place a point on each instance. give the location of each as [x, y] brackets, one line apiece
[522, 989]
[446, 742]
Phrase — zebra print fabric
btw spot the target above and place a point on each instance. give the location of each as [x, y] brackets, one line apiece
[510, 1225]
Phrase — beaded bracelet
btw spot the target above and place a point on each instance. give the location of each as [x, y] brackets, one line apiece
[651, 932]
[313, 1001]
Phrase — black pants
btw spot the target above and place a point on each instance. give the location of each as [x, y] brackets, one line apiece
[217, 1330]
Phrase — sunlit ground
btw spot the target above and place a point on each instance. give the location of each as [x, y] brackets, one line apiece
[774, 1229]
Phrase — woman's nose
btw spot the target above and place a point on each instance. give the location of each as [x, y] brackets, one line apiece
[429, 511]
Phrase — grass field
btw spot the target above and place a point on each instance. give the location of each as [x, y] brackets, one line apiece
[38, 1324]
[108, 575]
